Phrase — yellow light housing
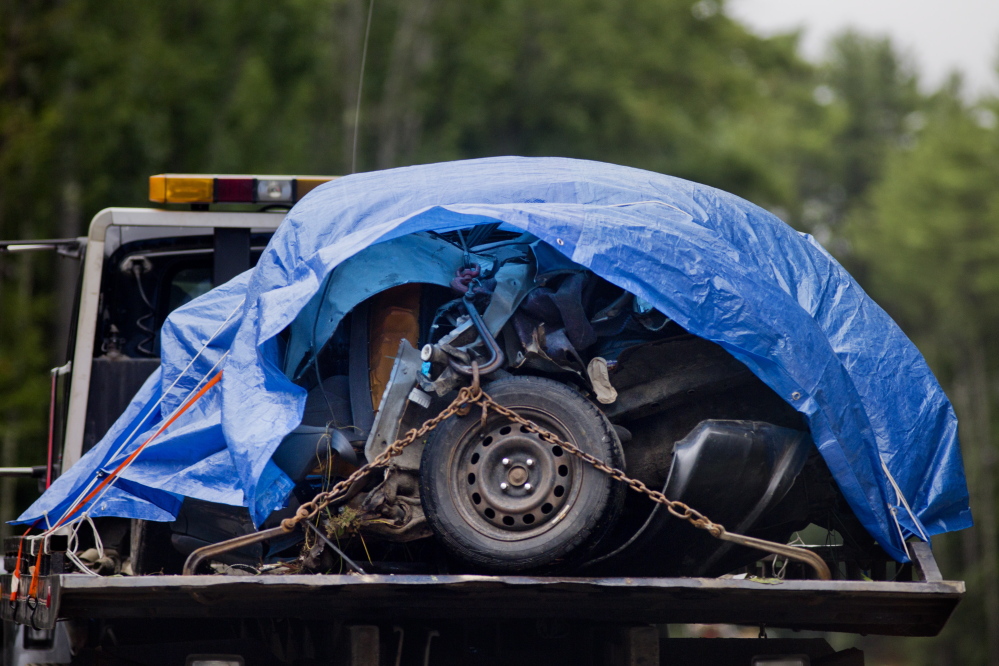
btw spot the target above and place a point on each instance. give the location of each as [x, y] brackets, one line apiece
[177, 188]
[171, 188]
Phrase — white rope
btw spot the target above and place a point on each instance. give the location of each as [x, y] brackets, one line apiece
[128, 440]
[182, 373]
[73, 542]
[901, 498]
[796, 541]
[96, 500]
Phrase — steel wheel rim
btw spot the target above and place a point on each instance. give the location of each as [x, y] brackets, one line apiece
[505, 453]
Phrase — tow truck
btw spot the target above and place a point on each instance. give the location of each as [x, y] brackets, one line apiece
[125, 598]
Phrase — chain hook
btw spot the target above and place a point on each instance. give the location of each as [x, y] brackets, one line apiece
[476, 390]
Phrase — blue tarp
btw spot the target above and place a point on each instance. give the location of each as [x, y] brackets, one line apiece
[722, 268]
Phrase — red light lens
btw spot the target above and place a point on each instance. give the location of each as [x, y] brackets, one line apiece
[235, 190]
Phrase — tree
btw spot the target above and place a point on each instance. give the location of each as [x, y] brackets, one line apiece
[929, 243]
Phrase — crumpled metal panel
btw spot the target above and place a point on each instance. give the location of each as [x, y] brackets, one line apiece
[724, 269]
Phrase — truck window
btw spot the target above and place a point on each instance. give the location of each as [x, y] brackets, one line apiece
[187, 284]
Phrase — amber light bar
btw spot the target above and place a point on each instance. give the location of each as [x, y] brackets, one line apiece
[173, 188]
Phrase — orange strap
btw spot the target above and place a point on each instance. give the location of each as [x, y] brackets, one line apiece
[197, 396]
[36, 573]
[15, 583]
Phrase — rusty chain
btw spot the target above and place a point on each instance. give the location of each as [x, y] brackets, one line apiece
[461, 405]
[675, 507]
[309, 510]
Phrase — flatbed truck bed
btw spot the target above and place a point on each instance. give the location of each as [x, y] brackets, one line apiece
[904, 609]
[912, 608]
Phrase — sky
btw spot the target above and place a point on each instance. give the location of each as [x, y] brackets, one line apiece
[939, 36]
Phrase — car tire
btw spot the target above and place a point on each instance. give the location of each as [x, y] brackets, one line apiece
[501, 499]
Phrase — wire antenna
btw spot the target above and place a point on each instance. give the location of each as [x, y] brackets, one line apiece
[360, 88]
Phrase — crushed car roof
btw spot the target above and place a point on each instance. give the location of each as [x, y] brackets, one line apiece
[722, 268]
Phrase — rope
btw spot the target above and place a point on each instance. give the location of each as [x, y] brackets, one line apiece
[110, 478]
[105, 483]
[125, 463]
[160, 400]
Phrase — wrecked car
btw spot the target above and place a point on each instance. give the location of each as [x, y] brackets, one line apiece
[667, 330]
[569, 351]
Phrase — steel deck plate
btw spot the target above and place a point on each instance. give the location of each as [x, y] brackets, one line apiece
[894, 608]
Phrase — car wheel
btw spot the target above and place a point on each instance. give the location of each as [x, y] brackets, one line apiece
[501, 498]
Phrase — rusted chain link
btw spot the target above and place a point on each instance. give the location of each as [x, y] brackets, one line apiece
[461, 405]
[678, 509]
[675, 507]
[309, 510]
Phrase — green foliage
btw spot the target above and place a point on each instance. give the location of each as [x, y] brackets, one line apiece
[930, 235]
[126, 90]
[877, 87]
[20, 384]
[29, 129]
[96, 95]
[928, 243]
[646, 83]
